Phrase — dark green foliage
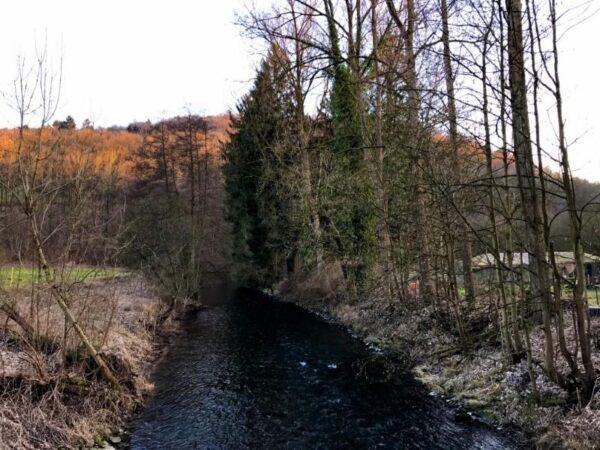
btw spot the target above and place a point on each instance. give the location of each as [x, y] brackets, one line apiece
[264, 172]
[254, 160]
[67, 124]
[346, 137]
[350, 202]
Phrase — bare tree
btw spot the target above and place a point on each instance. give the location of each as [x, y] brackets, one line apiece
[36, 94]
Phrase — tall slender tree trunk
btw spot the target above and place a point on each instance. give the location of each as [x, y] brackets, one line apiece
[556, 283]
[509, 343]
[530, 204]
[464, 243]
[385, 244]
[310, 196]
[581, 307]
[417, 156]
[512, 299]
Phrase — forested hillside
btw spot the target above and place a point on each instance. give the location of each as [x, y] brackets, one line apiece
[105, 172]
[83, 212]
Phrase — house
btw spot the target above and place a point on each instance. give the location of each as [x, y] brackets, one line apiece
[485, 263]
[484, 266]
[566, 264]
[488, 260]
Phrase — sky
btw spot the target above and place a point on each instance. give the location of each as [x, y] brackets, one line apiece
[130, 60]
[580, 70]
[126, 60]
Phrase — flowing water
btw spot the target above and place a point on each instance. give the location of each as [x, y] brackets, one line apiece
[255, 373]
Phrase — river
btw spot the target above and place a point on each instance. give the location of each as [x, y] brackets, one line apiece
[254, 373]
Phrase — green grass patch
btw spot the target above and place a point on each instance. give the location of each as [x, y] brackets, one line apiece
[593, 295]
[18, 276]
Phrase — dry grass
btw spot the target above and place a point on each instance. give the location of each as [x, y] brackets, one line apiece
[70, 406]
[322, 286]
[32, 418]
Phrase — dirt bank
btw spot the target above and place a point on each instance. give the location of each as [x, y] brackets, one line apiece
[479, 380]
[56, 399]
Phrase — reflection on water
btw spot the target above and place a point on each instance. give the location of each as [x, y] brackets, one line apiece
[253, 373]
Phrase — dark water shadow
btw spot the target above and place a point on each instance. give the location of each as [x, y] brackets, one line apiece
[251, 372]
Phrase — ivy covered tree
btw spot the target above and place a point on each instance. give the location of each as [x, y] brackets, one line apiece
[350, 198]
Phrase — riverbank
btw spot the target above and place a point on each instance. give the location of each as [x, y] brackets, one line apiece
[250, 372]
[70, 406]
[479, 380]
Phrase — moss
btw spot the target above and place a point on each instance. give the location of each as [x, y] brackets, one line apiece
[476, 403]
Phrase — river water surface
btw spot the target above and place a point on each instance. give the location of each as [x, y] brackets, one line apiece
[255, 373]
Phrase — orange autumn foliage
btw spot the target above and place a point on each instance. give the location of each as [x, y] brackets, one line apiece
[103, 152]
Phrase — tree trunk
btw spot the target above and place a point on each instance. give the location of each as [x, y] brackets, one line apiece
[581, 308]
[510, 344]
[61, 299]
[526, 178]
[416, 158]
[385, 244]
[464, 243]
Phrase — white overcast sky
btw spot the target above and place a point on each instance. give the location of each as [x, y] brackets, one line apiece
[133, 59]
[128, 60]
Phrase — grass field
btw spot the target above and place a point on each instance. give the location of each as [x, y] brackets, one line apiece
[15, 276]
[593, 296]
